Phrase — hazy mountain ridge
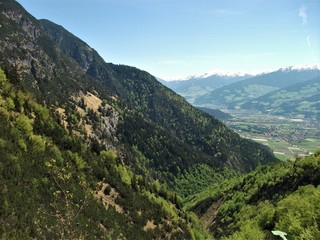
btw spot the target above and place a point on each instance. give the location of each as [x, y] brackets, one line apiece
[196, 86]
[299, 99]
[237, 94]
[242, 91]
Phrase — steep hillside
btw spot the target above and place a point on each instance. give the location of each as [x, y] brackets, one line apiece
[302, 99]
[281, 197]
[47, 71]
[149, 105]
[53, 186]
[153, 129]
[234, 95]
[197, 86]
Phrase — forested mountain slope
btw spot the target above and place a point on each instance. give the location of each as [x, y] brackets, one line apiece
[282, 197]
[216, 113]
[141, 116]
[159, 107]
[300, 99]
[53, 186]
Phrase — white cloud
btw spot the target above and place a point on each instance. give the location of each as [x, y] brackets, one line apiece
[309, 41]
[303, 14]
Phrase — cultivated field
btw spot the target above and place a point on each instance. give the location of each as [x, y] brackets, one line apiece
[287, 137]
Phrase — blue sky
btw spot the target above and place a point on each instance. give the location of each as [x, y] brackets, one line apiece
[176, 38]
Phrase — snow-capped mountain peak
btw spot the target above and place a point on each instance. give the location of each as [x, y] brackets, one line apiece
[222, 74]
[233, 74]
[300, 68]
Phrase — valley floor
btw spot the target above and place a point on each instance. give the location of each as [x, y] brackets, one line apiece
[287, 137]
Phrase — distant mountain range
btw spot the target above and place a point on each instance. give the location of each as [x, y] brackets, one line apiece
[264, 92]
[198, 85]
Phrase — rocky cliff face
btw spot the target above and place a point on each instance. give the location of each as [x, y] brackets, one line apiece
[25, 44]
[21, 47]
[37, 53]
[78, 50]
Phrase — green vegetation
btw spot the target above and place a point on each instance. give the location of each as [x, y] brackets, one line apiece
[91, 150]
[301, 99]
[311, 144]
[199, 178]
[170, 135]
[287, 137]
[54, 186]
[281, 197]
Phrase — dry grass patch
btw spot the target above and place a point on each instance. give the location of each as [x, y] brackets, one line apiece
[63, 116]
[107, 199]
[88, 129]
[149, 225]
[92, 101]
[81, 111]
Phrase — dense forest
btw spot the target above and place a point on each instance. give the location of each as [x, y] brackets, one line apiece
[282, 197]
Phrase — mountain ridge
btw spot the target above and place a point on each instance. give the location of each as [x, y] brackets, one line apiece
[248, 74]
[195, 87]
